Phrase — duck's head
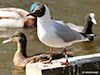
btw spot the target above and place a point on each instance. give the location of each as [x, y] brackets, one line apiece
[91, 18]
[33, 6]
[37, 9]
[18, 37]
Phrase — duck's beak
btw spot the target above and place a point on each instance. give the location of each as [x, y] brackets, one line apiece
[6, 41]
[94, 21]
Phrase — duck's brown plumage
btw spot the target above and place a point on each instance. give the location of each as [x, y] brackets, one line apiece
[20, 57]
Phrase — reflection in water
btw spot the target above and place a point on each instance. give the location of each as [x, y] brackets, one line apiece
[5, 33]
[72, 11]
[83, 48]
[18, 71]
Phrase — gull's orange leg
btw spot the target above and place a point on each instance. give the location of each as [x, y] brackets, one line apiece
[50, 60]
[65, 53]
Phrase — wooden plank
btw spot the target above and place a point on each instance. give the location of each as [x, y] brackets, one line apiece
[57, 69]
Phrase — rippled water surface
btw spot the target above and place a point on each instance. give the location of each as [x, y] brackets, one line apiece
[73, 11]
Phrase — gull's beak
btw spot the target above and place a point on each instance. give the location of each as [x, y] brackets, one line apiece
[29, 14]
[94, 21]
[6, 41]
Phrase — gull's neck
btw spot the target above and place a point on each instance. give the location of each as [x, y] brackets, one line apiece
[45, 19]
[44, 25]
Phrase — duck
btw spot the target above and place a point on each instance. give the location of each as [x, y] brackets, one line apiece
[16, 17]
[54, 34]
[20, 58]
[87, 29]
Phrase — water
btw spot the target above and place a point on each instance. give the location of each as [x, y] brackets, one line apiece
[73, 11]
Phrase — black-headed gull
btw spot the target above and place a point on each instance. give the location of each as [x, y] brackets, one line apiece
[53, 33]
[86, 30]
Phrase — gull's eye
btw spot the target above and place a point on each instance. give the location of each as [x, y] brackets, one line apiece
[39, 10]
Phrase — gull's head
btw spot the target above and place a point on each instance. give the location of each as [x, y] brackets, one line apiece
[37, 9]
[91, 17]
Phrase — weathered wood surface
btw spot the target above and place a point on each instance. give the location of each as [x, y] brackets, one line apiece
[80, 65]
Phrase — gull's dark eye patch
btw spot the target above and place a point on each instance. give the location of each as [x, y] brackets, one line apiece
[39, 11]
